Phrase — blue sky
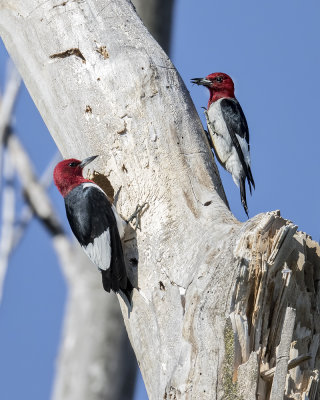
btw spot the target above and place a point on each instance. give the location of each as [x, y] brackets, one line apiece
[271, 50]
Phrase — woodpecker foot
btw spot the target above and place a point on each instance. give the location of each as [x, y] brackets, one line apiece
[137, 216]
[209, 124]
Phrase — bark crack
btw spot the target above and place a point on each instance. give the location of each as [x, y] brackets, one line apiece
[70, 52]
[66, 2]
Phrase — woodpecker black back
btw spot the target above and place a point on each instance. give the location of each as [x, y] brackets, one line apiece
[237, 125]
[93, 223]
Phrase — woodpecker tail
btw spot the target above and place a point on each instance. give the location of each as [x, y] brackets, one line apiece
[250, 179]
[106, 281]
[128, 292]
[108, 285]
[243, 194]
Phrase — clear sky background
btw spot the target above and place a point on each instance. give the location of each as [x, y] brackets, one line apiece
[271, 50]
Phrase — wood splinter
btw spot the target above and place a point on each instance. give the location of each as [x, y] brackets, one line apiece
[281, 370]
[268, 374]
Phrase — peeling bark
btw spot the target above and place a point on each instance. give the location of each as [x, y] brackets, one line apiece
[213, 292]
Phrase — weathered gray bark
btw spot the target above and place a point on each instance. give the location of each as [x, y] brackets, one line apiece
[214, 290]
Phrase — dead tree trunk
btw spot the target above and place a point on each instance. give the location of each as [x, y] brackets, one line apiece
[215, 291]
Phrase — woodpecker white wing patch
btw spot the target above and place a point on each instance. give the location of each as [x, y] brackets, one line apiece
[99, 251]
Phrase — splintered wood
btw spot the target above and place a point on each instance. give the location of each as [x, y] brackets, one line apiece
[279, 270]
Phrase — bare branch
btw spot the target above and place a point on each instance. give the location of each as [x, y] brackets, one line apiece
[27, 213]
[33, 190]
[8, 214]
[8, 100]
[8, 195]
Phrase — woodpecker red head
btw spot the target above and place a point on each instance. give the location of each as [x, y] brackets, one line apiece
[219, 84]
[94, 222]
[68, 174]
[228, 130]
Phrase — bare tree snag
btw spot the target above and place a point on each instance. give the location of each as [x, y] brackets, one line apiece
[215, 290]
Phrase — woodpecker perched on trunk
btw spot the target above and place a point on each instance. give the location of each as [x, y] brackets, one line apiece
[228, 130]
[94, 222]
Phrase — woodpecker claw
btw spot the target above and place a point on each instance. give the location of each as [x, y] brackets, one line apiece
[137, 216]
[116, 197]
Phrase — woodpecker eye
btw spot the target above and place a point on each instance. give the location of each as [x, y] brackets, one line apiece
[73, 164]
[219, 79]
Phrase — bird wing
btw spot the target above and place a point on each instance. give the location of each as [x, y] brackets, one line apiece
[94, 225]
[237, 126]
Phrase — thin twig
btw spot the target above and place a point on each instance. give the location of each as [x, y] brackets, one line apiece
[27, 213]
[33, 191]
[8, 101]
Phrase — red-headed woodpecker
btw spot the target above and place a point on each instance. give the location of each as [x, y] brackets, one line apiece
[228, 130]
[94, 222]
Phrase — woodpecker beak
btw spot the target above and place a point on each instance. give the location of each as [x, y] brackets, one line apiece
[201, 81]
[87, 161]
